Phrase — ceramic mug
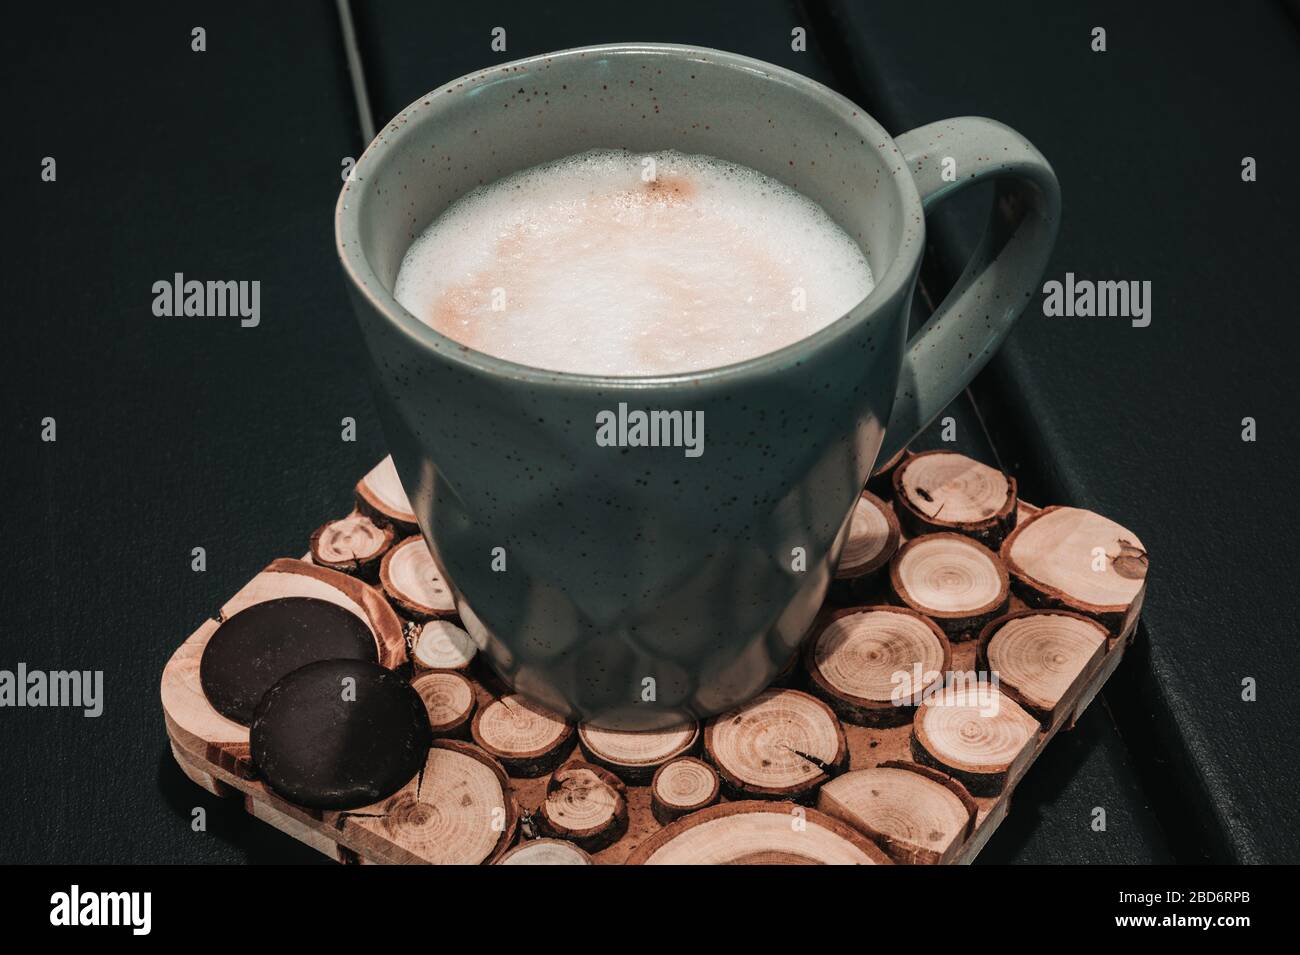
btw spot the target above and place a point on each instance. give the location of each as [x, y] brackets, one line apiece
[636, 586]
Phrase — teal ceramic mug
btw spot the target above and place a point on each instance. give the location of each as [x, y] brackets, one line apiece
[635, 586]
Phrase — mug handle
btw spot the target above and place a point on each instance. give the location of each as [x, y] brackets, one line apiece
[968, 326]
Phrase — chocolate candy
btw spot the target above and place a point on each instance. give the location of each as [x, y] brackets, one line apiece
[339, 734]
[264, 642]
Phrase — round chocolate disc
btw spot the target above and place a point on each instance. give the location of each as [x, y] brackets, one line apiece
[264, 642]
[340, 734]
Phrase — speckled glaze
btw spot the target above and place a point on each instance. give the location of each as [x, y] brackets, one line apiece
[631, 565]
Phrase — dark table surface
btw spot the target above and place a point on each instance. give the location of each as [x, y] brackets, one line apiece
[226, 163]
[1145, 424]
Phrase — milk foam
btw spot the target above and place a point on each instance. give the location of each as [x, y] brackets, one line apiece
[581, 266]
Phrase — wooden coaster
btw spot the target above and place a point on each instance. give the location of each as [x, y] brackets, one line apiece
[683, 786]
[413, 582]
[976, 734]
[527, 739]
[635, 755]
[381, 497]
[955, 581]
[939, 491]
[872, 664]
[1042, 657]
[430, 820]
[754, 832]
[1071, 559]
[918, 815]
[782, 744]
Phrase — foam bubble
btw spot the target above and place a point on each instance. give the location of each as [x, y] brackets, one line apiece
[581, 266]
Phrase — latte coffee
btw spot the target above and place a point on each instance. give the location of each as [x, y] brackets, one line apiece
[617, 263]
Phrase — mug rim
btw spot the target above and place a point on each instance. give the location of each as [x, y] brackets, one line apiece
[357, 267]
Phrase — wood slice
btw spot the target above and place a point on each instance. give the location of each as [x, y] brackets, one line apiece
[918, 815]
[526, 738]
[1055, 562]
[753, 832]
[635, 755]
[873, 664]
[545, 852]
[782, 744]
[459, 811]
[413, 582]
[681, 786]
[1042, 658]
[353, 545]
[872, 540]
[974, 733]
[441, 645]
[586, 804]
[881, 481]
[449, 699]
[944, 491]
[955, 581]
[381, 497]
